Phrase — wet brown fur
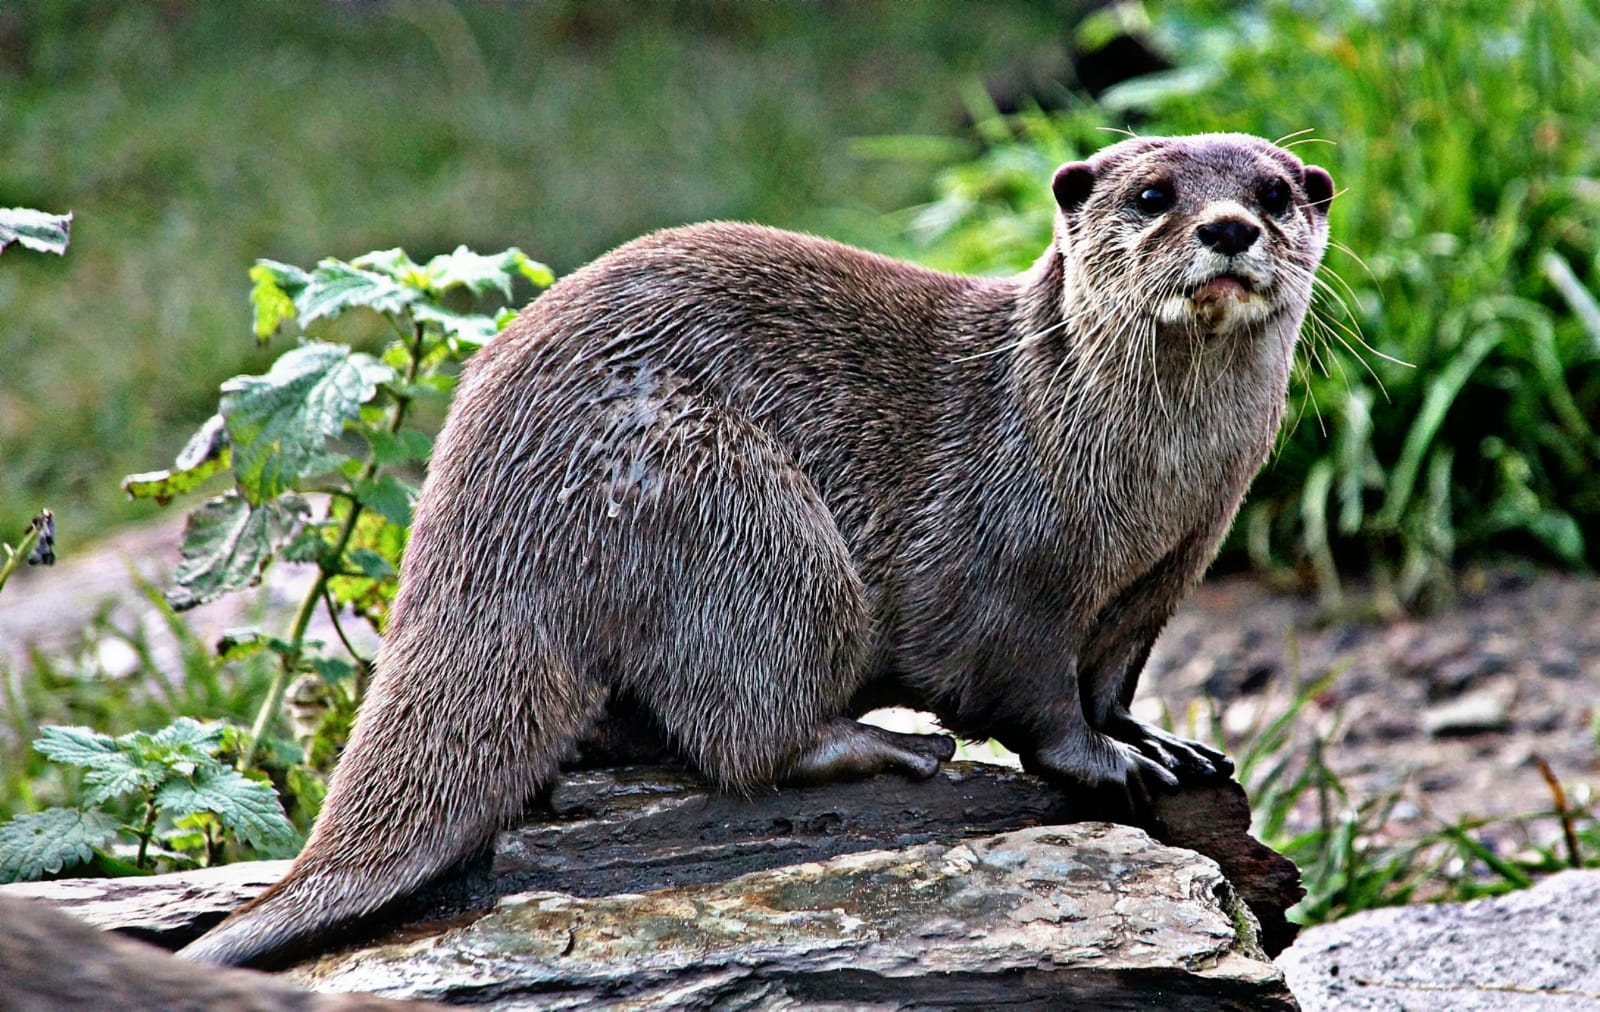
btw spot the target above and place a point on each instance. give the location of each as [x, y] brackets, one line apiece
[750, 483]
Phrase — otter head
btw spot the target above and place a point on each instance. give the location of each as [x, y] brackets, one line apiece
[1211, 234]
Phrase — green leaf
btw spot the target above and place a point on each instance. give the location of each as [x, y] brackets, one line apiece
[332, 669]
[271, 301]
[206, 453]
[248, 808]
[237, 644]
[532, 269]
[371, 563]
[42, 843]
[313, 541]
[280, 422]
[186, 732]
[396, 264]
[390, 449]
[336, 286]
[120, 773]
[226, 543]
[1443, 390]
[75, 746]
[388, 496]
[471, 329]
[473, 271]
[35, 230]
[293, 280]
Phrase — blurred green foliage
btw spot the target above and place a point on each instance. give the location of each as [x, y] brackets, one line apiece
[191, 138]
[1452, 390]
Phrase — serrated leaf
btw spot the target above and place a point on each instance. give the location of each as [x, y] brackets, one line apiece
[75, 746]
[293, 280]
[332, 669]
[206, 453]
[280, 422]
[186, 731]
[390, 449]
[271, 302]
[248, 808]
[336, 286]
[532, 269]
[226, 543]
[396, 263]
[473, 271]
[42, 843]
[387, 495]
[120, 774]
[471, 329]
[35, 230]
[112, 766]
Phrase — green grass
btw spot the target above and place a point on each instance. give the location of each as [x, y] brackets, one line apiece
[191, 138]
[1354, 852]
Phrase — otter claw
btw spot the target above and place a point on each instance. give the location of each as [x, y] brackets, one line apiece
[1189, 760]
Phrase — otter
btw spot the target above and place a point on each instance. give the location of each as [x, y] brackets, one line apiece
[747, 485]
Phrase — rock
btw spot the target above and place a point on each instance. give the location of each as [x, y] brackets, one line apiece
[1474, 713]
[51, 961]
[1524, 952]
[623, 847]
[1093, 915]
[168, 910]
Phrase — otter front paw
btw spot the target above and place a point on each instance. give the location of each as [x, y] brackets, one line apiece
[1119, 777]
[1189, 761]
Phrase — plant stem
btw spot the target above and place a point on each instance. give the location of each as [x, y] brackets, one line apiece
[14, 556]
[147, 830]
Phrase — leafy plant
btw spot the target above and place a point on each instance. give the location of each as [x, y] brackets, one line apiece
[47, 233]
[185, 803]
[331, 420]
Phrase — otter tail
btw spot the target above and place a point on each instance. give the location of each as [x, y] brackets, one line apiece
[449, 746]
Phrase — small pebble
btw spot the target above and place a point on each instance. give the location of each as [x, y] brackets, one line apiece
[1473, 713]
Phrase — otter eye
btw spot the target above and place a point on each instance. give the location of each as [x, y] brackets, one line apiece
[1275, 197]
[1155, 198]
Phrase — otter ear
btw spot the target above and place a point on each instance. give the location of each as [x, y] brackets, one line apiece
[1072, 184]
[1319, 187]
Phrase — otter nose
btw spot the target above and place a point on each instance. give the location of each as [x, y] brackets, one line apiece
[1228, 236]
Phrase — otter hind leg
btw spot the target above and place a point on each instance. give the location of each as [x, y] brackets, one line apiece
[756, 623]
[844, 749]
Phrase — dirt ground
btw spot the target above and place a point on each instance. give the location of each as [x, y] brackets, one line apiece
[1450, 709]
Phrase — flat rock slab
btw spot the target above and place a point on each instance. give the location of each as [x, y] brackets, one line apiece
[1091, 915]
[643, 888]
[1529, 951]
[163, 909]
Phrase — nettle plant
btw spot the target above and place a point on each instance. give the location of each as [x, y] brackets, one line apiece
[169, 792]
[321, 452]
[328, 420]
